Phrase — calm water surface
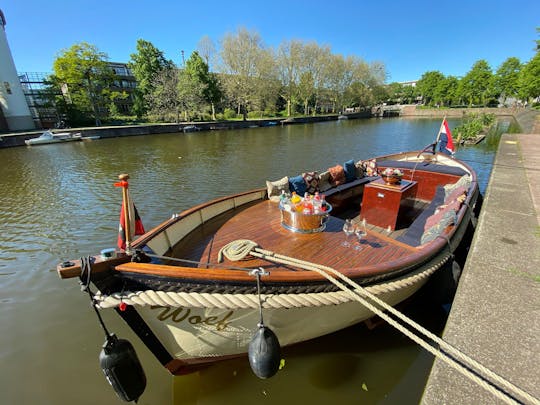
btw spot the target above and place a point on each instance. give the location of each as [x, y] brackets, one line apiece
[58, 202]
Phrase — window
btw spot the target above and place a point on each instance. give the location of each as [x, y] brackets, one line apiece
[8, 87]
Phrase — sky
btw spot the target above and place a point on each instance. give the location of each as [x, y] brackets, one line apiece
[409, 37]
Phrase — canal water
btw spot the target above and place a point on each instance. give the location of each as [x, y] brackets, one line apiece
[58, 202]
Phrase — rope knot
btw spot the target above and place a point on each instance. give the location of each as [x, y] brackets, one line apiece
[236, 250]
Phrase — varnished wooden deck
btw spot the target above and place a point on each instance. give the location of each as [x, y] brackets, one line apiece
[261, 223]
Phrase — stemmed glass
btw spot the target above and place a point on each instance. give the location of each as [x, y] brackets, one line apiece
[360, 232]
[348, 228]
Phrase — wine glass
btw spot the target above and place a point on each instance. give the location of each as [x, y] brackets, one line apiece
[348, 228]
[360, 232]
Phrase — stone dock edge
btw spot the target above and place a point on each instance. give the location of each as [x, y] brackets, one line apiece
[495, 316]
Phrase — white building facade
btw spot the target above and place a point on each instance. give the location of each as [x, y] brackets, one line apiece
[14, 112]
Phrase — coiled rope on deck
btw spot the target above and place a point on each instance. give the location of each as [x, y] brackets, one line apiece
[240, 249]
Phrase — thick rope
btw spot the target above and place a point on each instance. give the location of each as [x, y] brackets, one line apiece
[359, 291]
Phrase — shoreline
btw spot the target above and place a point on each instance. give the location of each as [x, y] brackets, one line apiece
[526, 118]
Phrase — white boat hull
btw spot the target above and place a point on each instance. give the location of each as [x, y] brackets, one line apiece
[198, 333]
[48, 137]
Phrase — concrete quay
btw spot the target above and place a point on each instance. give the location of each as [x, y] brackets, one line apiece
[495, 317]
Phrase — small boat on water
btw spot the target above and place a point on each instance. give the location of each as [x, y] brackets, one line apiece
[190, 128]
[50, 137]
[195, 288]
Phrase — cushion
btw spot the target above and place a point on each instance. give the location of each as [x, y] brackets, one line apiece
[454, 195]
[359, 169]
[370, 167]
[440, 212]
[312, 182]
[337, 175]
[448, 218]
[274, 188]
[464, 181]
[324, 181]
[413, 235]
[350, 170]
[297, 184]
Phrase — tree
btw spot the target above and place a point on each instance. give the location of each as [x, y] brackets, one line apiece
[241, 55]
[529, 78]
[506, 78]
[164, 101]
[190, 93]
[427, 86]
[85, 77]
[316, 60]
[477, 84]
[198, 78]
[146, 64]
[447, 91]
[289, 59]
[206, 49]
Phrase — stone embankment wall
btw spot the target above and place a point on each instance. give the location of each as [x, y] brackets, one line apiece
[527, 119]
[412, 111]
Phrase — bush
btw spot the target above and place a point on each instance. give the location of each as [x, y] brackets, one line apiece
[255, 114]
[229, 114]
[474, 124]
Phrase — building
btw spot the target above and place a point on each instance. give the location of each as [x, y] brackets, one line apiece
[124, 82]
[14, 112]
[41, 101]
[411, 83]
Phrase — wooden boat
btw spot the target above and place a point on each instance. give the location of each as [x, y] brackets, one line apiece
[50, 137]
[192, 307]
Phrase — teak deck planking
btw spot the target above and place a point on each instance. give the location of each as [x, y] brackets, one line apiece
[261, 223]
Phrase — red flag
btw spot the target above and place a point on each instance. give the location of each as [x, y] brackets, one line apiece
[445, 130]
[136, 226]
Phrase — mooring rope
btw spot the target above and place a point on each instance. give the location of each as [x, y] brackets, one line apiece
[239, 249]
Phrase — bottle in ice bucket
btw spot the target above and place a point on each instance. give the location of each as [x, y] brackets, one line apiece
[317, 206]
[295, 201]
[307, 205]
[285, 201]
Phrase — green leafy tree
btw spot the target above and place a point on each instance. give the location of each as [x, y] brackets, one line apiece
[477, 84]
[409, 94]
[395, 92]
[529, 79]
[197, 78]
[146, 64]
[85, 78]
[506, 78]
[428, 84]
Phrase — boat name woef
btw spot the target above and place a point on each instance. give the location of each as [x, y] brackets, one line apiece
[181, 314]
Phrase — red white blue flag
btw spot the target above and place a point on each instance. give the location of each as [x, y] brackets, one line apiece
[445, 138]
[135, 225]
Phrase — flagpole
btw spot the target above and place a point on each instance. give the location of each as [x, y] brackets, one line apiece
[125, 201]
[439, 134]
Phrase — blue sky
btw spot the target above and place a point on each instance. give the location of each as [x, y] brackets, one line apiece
[409, 37]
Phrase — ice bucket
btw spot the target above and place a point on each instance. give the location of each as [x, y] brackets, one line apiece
[304, 223]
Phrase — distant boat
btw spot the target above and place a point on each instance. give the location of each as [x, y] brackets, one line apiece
[191, 128]
[49, 137]
[90, 138]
